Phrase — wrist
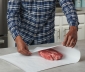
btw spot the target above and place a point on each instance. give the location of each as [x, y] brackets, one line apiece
[74, 28]
[18, 39]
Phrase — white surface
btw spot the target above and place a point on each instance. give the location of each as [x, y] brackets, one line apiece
[36, 63]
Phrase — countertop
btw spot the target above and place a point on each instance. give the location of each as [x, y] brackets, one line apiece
[78, 67]
[59, 11]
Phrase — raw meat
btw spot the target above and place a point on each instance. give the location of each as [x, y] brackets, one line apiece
[45, 54]
[50, 54]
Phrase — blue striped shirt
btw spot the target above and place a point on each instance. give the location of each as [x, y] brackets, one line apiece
[34, 19]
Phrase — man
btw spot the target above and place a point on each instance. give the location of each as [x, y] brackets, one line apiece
[32, 22]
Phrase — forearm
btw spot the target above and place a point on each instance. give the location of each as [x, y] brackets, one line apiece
[13, 17]
[70, 12]
[13, 28]
[18, 39]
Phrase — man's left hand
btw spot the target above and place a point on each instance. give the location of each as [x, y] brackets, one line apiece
[71, 37]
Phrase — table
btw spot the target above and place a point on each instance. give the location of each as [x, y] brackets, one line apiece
[78, 67]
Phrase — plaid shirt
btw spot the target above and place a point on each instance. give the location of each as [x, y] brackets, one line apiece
[34, 19]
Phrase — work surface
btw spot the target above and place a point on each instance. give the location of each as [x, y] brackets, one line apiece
[78, 67]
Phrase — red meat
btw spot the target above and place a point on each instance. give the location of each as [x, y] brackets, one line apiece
[50, 54]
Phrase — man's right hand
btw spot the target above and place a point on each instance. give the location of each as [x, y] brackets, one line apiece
[21, 46]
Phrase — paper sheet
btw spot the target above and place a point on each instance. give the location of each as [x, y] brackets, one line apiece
[35, 63]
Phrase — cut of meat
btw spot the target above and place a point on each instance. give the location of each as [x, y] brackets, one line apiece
[55, 54]
[50, 54]
[45, 54]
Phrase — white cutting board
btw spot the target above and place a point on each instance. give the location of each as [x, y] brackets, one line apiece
[35, 63]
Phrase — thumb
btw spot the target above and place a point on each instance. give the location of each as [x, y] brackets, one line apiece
[28, 49]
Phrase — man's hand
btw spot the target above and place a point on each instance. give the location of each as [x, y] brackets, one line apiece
[71, 37]
[21, 46]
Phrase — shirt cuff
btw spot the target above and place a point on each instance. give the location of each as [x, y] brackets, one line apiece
[15, 34]
[74, 25]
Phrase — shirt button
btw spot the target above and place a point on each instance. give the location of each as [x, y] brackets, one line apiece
[32, 13]
[36, 25]
[38, 8]
[34, 34]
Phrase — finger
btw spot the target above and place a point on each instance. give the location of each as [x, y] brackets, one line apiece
[71, 43]
[65, 40]
[68, 41]
[25, 52]
[28, 49]
[74, 43]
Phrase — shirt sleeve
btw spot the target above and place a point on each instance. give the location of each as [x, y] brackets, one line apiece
[13, 17]
[70, 12]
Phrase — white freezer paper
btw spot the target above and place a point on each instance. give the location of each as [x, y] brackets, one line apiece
[35, 63]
